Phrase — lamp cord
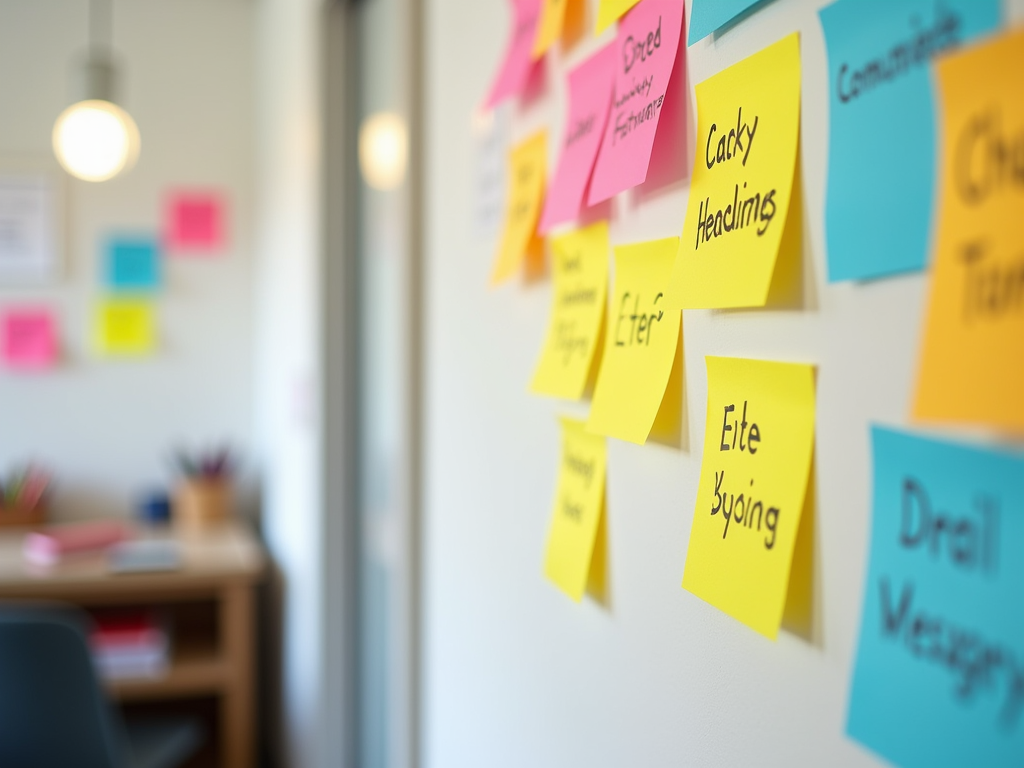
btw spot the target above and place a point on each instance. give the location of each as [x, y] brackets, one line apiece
[101, 27]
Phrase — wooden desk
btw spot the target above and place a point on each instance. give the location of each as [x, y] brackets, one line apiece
[220, 568]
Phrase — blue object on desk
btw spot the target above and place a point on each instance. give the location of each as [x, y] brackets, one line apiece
[155, 508]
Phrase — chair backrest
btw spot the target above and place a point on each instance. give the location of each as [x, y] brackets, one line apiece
[53, 713]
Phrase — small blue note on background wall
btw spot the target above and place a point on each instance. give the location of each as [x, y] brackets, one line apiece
[706, 16]
[881, 174]
[132, 263]
[939, 678]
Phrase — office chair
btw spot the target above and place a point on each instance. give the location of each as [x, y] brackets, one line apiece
[53, 712]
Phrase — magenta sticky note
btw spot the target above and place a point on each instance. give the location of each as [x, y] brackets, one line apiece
[518, 63]
[590, 96]
[29, 340]
[194, 221]
[647, 42]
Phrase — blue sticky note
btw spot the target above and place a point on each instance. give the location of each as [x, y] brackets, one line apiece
[882, 155]
[706, 16]
[132, 264]
[939, 678]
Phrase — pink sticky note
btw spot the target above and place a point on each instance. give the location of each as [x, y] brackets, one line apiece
[194, 221]
[590, 96]
[648, 41]
[518, 63]
[29, 339]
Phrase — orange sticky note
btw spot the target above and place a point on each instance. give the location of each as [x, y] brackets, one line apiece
[549, 29]
[527, 171]
[972, 361]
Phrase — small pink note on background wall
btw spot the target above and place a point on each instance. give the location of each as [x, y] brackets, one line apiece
[518, 63]
[194, 221]
[647, 42]
[29, 338]
[590, 95]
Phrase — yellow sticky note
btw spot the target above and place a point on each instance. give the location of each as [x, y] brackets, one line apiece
[527, 172]
[758, 445]
[570, 559]
[124, 327]
[577, 313]
[609, 11]
[550, 27]
[972, 361]
[642, 342]
[748, 132]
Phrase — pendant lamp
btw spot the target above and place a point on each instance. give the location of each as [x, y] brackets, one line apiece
[94, 139]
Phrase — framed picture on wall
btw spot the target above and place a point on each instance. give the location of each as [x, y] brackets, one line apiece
[31, 221]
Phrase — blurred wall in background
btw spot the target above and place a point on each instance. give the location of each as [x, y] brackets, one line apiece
[106, 427]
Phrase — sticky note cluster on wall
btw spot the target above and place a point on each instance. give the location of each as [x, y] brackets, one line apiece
[926, 164]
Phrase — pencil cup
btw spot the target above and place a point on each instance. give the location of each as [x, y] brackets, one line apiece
[202, 501]
[20, 516]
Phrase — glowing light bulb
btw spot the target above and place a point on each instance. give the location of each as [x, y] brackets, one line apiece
[95, 140]
[383, 150]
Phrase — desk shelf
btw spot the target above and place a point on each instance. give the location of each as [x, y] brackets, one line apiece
[210, 603]
[192, 672]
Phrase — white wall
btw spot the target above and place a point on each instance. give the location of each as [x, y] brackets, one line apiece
[289, 367]
[106, 427]
[515, 673]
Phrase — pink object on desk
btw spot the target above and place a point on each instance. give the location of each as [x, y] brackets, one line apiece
[51, 545]
[194, 221]
[29, 340]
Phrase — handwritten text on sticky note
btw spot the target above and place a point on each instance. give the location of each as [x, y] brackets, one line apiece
[748, 128]
[577, 511]
[527, 169]
[590, 94]
[941, 634]
[29, 338]
[878, 61]
[647, 42]
[641, 344]
[580, 295]
[758, 445]
[124, 327]
[972, 366]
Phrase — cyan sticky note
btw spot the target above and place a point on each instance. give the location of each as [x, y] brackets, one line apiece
[939, 676]
[132, 263]
[881, 172]
[706, 16]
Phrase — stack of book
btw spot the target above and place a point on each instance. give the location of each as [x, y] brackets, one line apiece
[130, 645]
